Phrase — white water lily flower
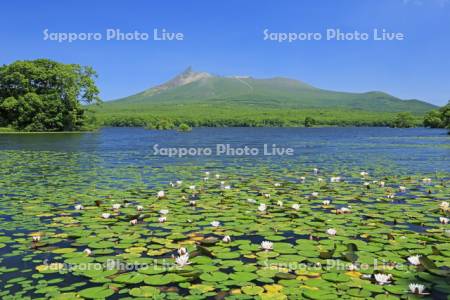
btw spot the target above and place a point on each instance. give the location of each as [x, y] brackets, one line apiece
[266, 245]
[302, 179]
[87, 251]
[443, 220]
[426, 180]
[205, 179]
[326, 202]
[417, 288]
[134, 222]
[226, 239]
[164, 211]
[366, 184]
[402, 189]
[315, 171]
[296, 206]
[262, 207]
[116, 206]
[364, 173]
[335, 179]
[383, 278]
[331, 231]
[139, 207]
[217, 176]
[79, 207]
[192, 187]
[280, 203]
[414, 260]
[215, 223]
[161, 194]
[251, 200]
[344, 210]
[179, 182]
[162, 219]
[36, 237]
[182, 251]
[171, 184]
[277, 184]
[207, 173]
[266, 195]
[226, 187]
[106, 215]
[444, 205]
[182, 260]
[192, 203]
[314, 194]
[319, 179]
[381, 184]
[390, 196]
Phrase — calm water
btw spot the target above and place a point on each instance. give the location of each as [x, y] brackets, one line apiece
[406, 150]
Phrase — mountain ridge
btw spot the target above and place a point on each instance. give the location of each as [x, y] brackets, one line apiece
[191, 87]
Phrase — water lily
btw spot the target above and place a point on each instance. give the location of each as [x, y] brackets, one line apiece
[79, 207]
[402, 189]
[207, 173]
[226, 187]
[182, 251]
[315, 171]
[192, 203]
[205, 179]
[366, 184]
[383, 278]
[443, 220]
[319, 179]
[215, 223]
[87, 251]
[331, 231]
[414, 260]
[251, 200]
[139, 207]
[116, 206]
[381, 184]
[266, 245]
[106, 215]
[226, 239]
[302, 179]
[335, 179]
[192, 187]
[417, 288]
[171, 184]
[277, 184]
[280, 203]
[326, 202]
[36, 238]
[364, 173]
[134, 222]
[179, 182]
[315, 194]
[162, 219]
[182, 260]
[164, 211]
[426, 180]
[266, 195]
[262, 207]
[217, 176]
[161, 194]
[296, 206]
[444, 205]
[390, 196]
[344, 210]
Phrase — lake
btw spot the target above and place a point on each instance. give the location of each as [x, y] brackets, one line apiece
[380, 189]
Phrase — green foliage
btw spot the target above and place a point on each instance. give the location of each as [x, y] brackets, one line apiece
[184, 127]
[309, 122]
[438, 118]
[403, 120]
[44, 95]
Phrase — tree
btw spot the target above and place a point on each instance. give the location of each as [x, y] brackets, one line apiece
[403, 120]
[309, 122]
[438, 118]
[44, 95]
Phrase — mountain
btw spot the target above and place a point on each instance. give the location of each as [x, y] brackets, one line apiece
[201, 88]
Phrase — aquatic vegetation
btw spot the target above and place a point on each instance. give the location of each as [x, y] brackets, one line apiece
[296, 239]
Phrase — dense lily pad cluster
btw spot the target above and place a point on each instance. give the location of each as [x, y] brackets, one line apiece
[232, 232]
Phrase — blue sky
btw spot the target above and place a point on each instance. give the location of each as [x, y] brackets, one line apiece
[226, 38]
